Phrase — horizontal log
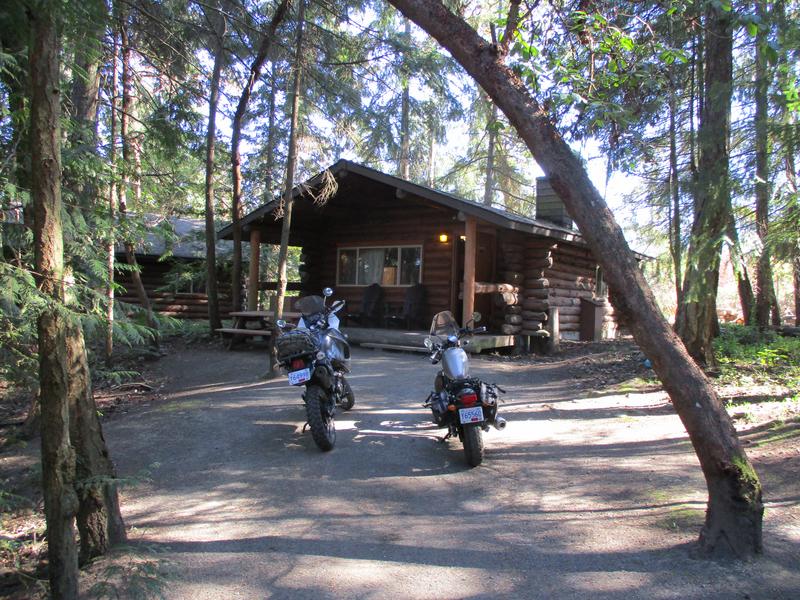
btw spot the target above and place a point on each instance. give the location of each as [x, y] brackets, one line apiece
[536, 333]
[510, 329]
[555, 301]
[533, 273]
[532, 324]
[513, 319]
[564, 318]
[513, 310]
[539, 242]
[507, 298]
[492, 288]
[543, 293]
[536, 284]
[534, 315]
[563, 269]
[538, 263]
[569, 310]
[574, 251]
[571, 293]
[569, 326]
[511, 276]
[535, 305]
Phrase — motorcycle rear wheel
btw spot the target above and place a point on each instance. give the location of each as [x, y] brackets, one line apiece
[322, 426]
[473, 444]
[349, 398]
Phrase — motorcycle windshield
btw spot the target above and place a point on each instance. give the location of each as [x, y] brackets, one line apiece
[310, 305]
[444, 324]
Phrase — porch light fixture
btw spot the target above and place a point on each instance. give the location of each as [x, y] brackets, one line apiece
[463, 238]
[443, 238]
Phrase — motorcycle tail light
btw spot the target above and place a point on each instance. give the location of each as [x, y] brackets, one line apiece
[468, 399]
[298, 363]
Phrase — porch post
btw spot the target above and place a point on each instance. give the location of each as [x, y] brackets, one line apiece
[255, 270]
[470, 249]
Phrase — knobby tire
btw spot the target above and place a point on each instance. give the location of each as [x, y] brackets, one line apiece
[320, 422]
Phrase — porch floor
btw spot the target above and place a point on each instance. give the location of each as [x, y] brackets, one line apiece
[400, 339]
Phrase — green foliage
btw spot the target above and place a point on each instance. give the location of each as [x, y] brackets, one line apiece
[763, 357]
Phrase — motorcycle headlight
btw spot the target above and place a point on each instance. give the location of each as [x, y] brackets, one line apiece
[428, 343]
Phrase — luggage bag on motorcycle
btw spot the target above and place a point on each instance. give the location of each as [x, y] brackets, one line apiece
[294, 343]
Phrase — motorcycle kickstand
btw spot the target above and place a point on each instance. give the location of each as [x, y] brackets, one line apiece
[305, 426]
[442, 440]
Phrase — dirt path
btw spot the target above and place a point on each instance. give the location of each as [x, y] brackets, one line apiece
[578, 498]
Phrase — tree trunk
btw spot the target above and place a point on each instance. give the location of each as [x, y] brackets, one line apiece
[696, 321]
[58, 458]
[491, 129]
[99, 519]
[404, 164]
[236, 157]
[734, 515]
[112, 198]
[765, 291]
[745, 288]
[291, 161]
[214, 321]
[675, 231]
[128, 159]
[271, 136]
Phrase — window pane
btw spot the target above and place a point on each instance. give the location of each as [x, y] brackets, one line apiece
[347, 267]
[410, 265]
[389, 267]
[370, 265]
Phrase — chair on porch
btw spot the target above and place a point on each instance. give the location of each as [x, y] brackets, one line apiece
[372, 308]
[413, 309]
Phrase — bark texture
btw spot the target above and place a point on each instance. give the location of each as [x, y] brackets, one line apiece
[99, 519]
[58, 458]
[734, 515]
[696, 320]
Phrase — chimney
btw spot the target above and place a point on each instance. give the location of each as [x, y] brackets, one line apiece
[549, 206]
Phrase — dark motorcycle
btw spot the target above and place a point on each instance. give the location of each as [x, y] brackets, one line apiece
[465, 405]
[317, 355]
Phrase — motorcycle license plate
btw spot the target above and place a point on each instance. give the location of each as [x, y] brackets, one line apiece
[470, 415]
[298, 377]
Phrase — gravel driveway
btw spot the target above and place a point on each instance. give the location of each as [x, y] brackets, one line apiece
[577, 498]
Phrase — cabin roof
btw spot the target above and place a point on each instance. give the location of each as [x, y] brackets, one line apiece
[341, 168]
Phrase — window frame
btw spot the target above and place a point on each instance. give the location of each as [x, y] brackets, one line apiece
[398, 247]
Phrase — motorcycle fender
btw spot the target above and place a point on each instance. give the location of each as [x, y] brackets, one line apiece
[323, 375]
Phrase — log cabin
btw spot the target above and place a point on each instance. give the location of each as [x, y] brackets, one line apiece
[171, 261]
[526, 276]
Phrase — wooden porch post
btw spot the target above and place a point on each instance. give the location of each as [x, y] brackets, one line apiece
[470, 249]
[255, 270]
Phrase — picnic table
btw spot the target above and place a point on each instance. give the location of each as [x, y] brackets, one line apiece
[256, 324]
[252, 324]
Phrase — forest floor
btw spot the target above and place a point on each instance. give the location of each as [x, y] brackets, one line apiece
[592, 490]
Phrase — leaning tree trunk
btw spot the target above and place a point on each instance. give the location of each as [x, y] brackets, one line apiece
[236, 157]
[214, 322]
[291, 163]
[100, 522]
[491, 129]
[128, 159]
[696, 321]
[58, 458]
[735, 509]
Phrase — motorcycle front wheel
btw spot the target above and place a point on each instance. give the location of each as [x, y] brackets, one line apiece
[349, 398]
[473, 444]
[321, 423]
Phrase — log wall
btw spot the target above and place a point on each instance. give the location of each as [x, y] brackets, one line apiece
[182, 305]
[389, 227]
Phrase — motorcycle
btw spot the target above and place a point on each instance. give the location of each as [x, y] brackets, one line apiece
[317, 355]
[465, 405]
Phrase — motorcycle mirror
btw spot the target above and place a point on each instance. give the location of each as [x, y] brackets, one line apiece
[327, 292]
[280, 323]
[476, 317]
[428, 343]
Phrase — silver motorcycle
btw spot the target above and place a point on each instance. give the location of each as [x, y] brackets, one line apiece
[465, 405]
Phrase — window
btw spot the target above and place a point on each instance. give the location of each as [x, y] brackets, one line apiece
[600, 287]
[392, 266]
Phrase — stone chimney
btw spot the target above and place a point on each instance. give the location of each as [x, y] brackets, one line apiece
[549, 206]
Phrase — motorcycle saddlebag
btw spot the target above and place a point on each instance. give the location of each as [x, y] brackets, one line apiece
[294, 343]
